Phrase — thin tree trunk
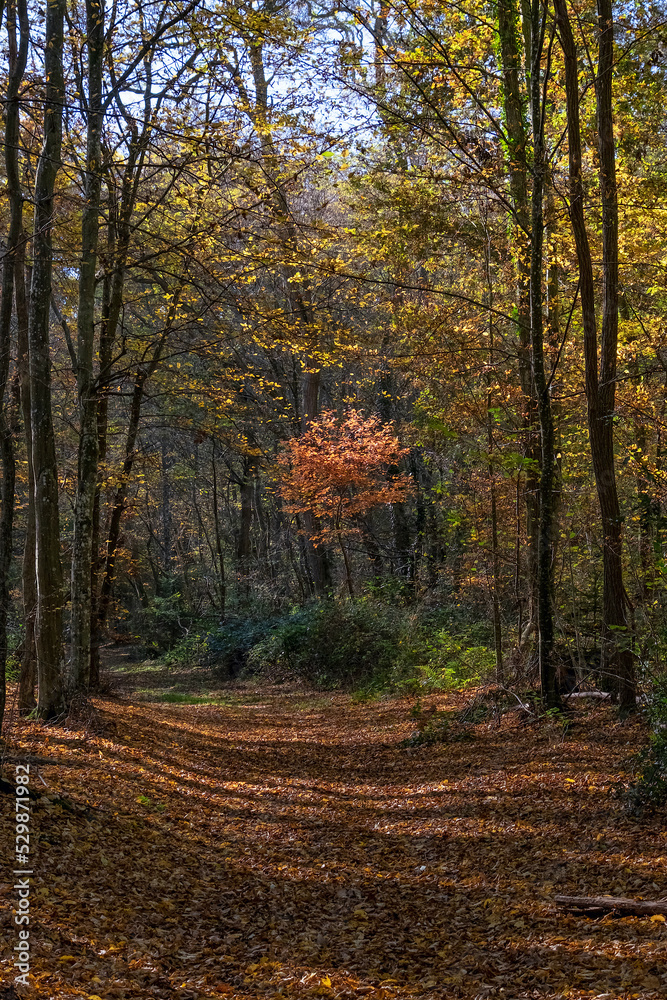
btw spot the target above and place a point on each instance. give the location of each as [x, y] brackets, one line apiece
[120, 496]
[317, 556]
[243, 550]
[28, 678]
[542, 389]
[495, 554]
[222, 590]
[118, 506]
[346, 563]
[18, 50]
[47, 526]
[516, 129]
[82, 549]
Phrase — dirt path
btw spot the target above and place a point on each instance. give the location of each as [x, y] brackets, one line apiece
[280, 844]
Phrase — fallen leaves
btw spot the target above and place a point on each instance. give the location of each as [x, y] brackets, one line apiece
[302, 854]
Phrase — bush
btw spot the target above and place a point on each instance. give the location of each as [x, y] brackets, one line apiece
[649, 792]
[366, 644]
[230, 643]
[336, 644]
[163, 624]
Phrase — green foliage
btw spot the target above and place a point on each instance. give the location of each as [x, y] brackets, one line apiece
[12, 668]
[230, 644]
[163, 624]
[364, 644]
[337, 644]
[454, 664]
[193, 648]
[649, 791]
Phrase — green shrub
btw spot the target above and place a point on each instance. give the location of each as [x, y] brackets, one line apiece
[163, 624]
[336, 643]
[649, 791]
[367, 645]
[363, 644]
[230, 643]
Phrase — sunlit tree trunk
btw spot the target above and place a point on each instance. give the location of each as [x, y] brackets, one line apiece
[542, 387]
[18, 36]
[47, 525]
[82, 549]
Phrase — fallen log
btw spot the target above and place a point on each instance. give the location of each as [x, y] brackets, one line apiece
[635, 907]
[602, 695]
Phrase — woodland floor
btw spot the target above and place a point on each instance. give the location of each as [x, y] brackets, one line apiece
[280, 843]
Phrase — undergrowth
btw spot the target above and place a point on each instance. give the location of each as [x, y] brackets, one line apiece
[649, 791]
[365, 645]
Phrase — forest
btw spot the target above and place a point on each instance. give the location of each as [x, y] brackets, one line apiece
[333, 498]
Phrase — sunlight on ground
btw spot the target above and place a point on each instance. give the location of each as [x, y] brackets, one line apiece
[290, 847]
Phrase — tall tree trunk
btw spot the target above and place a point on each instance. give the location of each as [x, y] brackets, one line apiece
[317, 556]
[246, 490]
[516, 129]
[18, 51]
[118, 507]
[542, 388]
[28, 678]
[47, 526]
[82, 549]
[222, 589]
[617, 656]
[617, 653]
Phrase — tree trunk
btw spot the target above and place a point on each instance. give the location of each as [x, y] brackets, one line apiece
[542, 388]
[243, 550]
[222, 589]
[120, 497]
[28, 678]
[118, 507]
[517, 141]
[617, 655]
[597, 904]
[47, 527]
[317, 556]
[18, 51]
[82, 548]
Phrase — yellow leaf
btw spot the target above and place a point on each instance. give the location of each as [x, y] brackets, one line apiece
[325, 981]
[658, 918]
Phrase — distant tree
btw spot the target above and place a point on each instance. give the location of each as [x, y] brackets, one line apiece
[339, 470]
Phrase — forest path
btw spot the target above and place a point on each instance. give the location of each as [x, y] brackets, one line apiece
[281, 843]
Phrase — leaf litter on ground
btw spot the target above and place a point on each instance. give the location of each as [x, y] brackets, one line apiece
[282, 844]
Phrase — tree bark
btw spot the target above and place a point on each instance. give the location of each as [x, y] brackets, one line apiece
[82, 548]
[47, 527]
[222, 588]
[28, 677]
[542, 388]
[617, 656]
[636, 907]
[246, 490]
[18, 52]
[516, 131]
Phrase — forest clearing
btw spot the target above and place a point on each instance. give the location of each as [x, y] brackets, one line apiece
[272, 841]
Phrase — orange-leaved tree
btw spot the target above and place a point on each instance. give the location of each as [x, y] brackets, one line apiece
[339, 470]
